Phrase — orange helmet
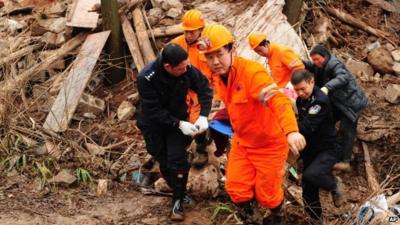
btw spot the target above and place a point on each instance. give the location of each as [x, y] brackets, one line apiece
[214, 37]
[256, 38]
[192, 20]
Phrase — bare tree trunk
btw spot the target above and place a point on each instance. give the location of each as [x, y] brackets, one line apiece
[109, 9]
[292, 10]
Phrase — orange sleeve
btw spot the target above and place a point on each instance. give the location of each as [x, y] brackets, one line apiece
[292, 60]
[265, 90]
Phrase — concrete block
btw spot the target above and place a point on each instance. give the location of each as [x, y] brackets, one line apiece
[90, 103]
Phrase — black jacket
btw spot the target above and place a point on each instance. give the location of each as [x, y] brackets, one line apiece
[315, 121]
[162, 97]
[344, 92]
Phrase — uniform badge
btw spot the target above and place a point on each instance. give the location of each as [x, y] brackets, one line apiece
[313, 110]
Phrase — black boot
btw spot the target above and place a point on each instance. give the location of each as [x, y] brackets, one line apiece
[276, 217]
[178, 181]
[246, 213]
[201, 154]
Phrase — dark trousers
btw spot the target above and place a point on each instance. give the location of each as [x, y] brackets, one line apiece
[317, 173]
[168, 148]
[221, 141]
[346, 135]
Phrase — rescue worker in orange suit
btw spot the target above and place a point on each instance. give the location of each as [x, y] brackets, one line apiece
[316, 123]
[193, 24]
[163, 118]
[264, 127]
[282, 60]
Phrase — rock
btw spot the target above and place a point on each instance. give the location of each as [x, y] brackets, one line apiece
[174, 12]
[167, 5]
[396, 55]
[157, 3]
[167, 22]
[55, 9]
[64, 176]
[374, 45]
[53, 150]
[161, 186]
[95, 149]
[381, 60]
[389, 47]
[102, 187]
[40, 150]
[125, 111]
[204, 182]
[396, 68]
[155, 15]
[392, 93]
[56, 25]
[359, 68]
[53, 40]
[89, 115]
[11, 26]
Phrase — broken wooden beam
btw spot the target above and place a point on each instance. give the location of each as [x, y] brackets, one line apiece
[18, 54]
[369, 169]
[82, 14]
[142, 36]
[133, 44]
[166, 31]
[349, 19]
[68, 98]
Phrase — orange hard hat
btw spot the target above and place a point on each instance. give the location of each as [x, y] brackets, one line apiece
[256, 38]
[214, 37]
[192, 20]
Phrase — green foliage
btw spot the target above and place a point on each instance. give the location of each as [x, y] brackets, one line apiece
[83, 176]
[221, 208]
[44, 173]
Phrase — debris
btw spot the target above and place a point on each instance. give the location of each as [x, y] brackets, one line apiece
[389, 47]
[174, 12]
[89, 103]
[133, 44]
[355, 22]
[53, 40]
[360, 69]
[150, 221]
[381, 60]
[102, 187]
[95, 149]
[373, 46]
[387, 6]
[369, 169]
[94, 83]
[68, 98]
[170, 4]
[11, 26]
[64, 177]
[167, 31]
[392, 93]
[204, 182]
[89, 115]
[142, 36]
[134, 97]
[125, 111]
[155, 15]
[56, 25]
[53, 150]
[82, 14]
[20, 53]
[396, 55]
[396, 68]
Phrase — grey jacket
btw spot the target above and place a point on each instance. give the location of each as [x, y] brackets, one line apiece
[344, 92]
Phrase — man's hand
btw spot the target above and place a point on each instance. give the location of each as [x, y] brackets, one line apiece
[201, 124]
[296, 142]
[325, 90]
[188, 128]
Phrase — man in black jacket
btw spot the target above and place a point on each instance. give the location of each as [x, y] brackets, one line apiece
[163, 86]
[348, 99]
[316, 123]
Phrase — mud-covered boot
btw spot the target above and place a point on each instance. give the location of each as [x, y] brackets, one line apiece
[276, 217]
[201, 155]
[337, 194]
[177, 213]
[246, 213]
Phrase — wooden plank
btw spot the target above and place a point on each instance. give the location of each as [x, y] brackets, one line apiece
[72, 89]
[142, 36]
[166, 31]
[133, 44]
[369, 169]
[83, 15]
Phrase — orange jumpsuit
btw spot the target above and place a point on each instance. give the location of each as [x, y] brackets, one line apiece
[261, 117]
[199, 61]
[282, 62]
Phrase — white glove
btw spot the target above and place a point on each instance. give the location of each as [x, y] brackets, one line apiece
[188, 128]
[201, 124]
[325, 90]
